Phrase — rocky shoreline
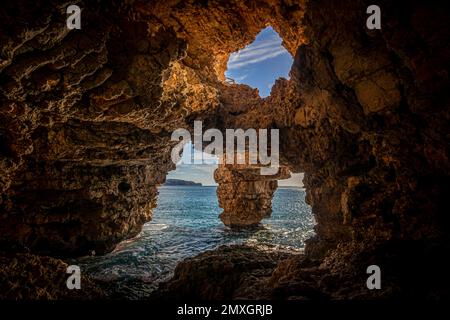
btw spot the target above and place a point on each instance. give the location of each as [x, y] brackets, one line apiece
[249, 273]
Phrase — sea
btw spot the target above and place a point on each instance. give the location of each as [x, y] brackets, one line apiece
[186, 223]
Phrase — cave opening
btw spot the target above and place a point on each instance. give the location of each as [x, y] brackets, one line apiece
[87, 116]
[260, 63]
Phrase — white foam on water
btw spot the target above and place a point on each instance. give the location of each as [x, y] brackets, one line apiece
[155, 226]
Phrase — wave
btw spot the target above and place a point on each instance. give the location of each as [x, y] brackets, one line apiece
[155, 226]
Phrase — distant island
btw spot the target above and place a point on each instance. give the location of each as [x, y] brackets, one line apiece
[179, 182]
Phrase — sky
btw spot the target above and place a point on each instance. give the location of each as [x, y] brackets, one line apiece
[203, 173]
[260, 63]
[257, 65]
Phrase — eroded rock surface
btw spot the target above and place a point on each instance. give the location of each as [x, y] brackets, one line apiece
[86, 117]
[31, 277]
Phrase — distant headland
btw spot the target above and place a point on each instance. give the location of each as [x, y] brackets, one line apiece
[179, 182]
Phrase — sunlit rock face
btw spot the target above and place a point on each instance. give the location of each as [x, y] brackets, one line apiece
[86, 117]
[245, 195]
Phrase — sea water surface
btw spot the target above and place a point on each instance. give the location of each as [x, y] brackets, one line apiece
[185, 223]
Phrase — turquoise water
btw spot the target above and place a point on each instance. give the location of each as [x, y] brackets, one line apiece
[185, 223]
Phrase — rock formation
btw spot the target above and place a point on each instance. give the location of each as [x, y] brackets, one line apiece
[25, 276]
[244, 194]
[86, 117]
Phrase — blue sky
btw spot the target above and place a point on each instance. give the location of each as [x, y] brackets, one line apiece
[257, 65]
[260, 63]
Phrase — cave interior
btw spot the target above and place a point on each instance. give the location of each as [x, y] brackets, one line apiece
[86, 118]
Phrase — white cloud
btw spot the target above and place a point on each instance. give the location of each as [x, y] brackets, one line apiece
[239, 79]
[256, 52]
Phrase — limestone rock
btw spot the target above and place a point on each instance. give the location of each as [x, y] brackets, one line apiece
[245, 195]
[30, 277]
[86, 117]
[230, 272]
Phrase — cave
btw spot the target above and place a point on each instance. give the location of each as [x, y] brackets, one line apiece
[87, 114]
